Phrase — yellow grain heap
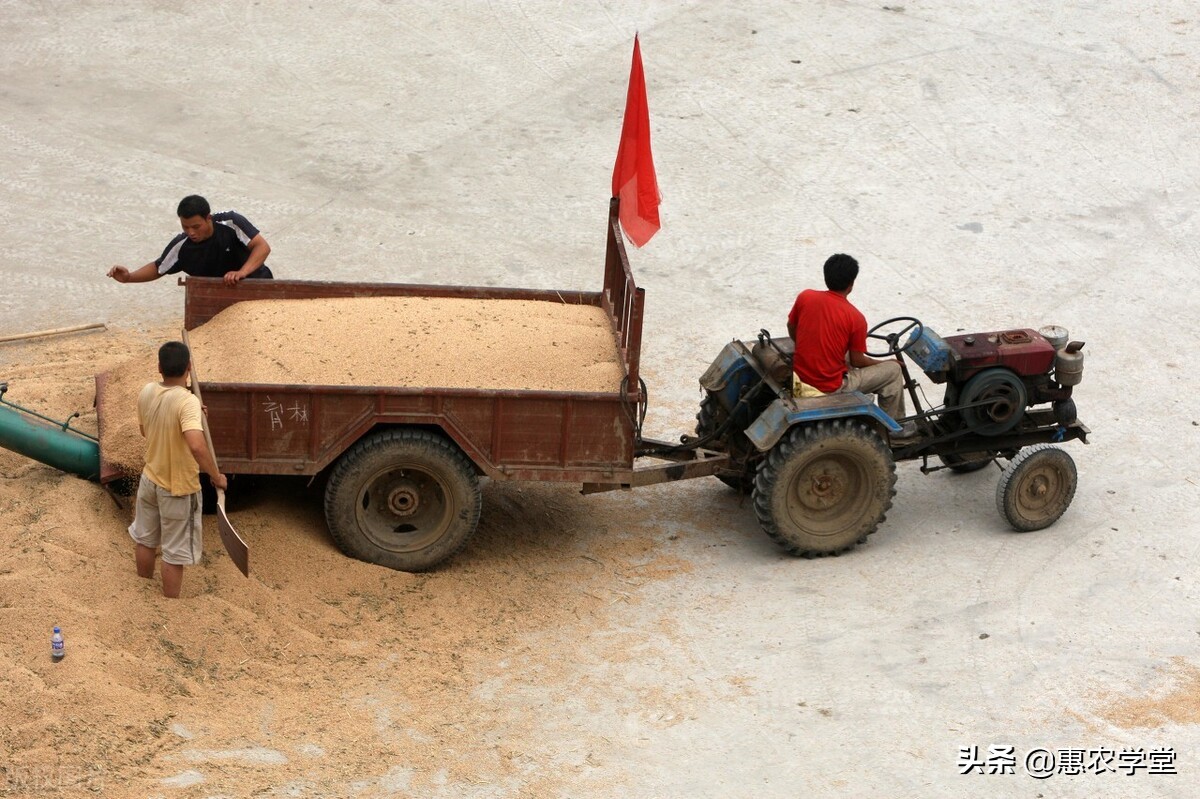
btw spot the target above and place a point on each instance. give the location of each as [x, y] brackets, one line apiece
[381, 341]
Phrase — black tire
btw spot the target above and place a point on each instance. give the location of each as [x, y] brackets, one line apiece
[1036, 487]
[405, 499]
[710, 417]
[825, 487]
[965, 464]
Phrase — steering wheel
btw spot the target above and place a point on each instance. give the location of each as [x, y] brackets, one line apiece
[893, 339]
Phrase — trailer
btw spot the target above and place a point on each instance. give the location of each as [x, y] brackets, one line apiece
[403, 463]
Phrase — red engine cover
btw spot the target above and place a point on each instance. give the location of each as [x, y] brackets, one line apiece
[1026, 352]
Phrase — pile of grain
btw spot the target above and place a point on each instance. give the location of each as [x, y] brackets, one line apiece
[411, 341]
[319, 674]
[121, 442]
[381, 341]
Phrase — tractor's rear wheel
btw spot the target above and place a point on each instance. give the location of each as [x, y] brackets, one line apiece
[710, 417]
[405, 499]
[1036, 487]
[824, 487]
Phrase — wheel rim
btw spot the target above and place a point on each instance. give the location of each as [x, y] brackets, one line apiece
[828, 494]
[1039, 496]
[404, 508]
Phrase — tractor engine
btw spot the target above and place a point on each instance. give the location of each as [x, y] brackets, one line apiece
[997, 375]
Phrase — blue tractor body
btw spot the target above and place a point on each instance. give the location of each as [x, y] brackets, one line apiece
[761, 404]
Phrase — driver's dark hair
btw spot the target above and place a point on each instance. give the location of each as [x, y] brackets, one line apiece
[840, 272]
[193, 205]
[173, 359]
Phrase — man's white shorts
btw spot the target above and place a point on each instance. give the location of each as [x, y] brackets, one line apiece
[171, 522]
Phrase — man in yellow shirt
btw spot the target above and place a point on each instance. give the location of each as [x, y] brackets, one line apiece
[168, 498]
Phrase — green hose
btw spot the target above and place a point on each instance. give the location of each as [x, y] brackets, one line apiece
[52, 443]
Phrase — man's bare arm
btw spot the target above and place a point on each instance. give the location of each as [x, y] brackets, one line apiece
[259, 250]
[143, 274]
[199, 447]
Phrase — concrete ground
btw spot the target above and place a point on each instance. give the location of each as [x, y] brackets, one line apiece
[991, 166]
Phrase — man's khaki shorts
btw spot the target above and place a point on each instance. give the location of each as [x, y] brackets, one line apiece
[170, 522]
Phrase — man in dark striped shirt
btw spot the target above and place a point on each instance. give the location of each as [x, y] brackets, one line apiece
[224, 245]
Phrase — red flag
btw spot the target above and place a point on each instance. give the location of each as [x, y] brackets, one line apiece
[633, 175]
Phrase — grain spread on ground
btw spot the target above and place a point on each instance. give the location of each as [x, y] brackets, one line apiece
[319, 675]
[445, 342]
[1177, 701]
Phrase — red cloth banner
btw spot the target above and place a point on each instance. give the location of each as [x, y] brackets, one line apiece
[633, 175]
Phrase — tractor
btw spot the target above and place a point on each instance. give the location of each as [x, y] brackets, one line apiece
[821, 471]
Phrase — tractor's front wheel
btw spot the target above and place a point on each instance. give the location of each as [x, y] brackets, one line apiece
[405, 499]
[1036, 487]
[824, 487]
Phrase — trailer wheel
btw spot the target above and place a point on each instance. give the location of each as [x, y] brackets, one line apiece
[405, 499]
[711, 416]
[1036, 488]
[824, 487]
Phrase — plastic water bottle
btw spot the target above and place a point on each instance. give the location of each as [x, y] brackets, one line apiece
[57, 645]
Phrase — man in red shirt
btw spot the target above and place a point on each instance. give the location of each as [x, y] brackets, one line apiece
[831, 345]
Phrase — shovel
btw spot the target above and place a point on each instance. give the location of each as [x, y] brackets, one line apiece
[239, 553]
